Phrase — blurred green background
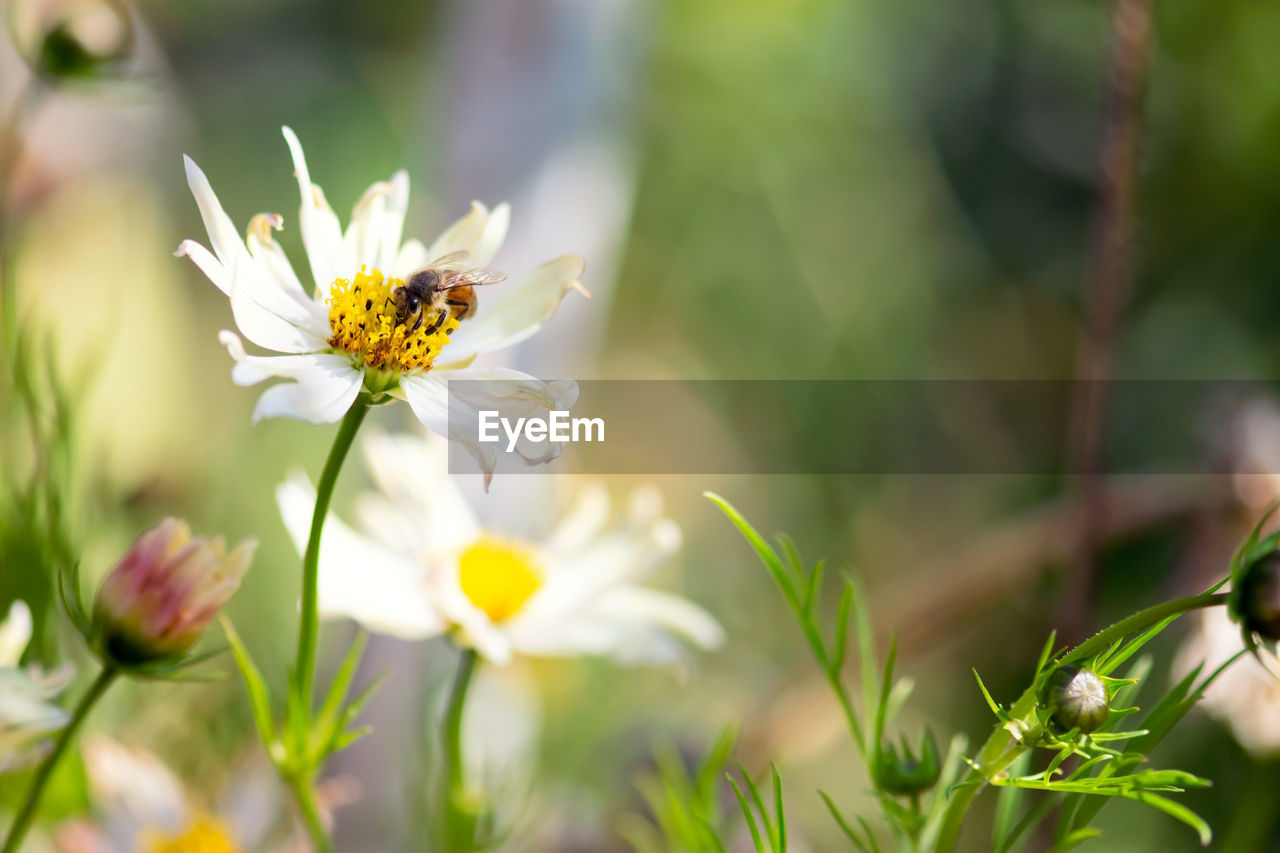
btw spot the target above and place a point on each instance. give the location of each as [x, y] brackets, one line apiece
[812, 189]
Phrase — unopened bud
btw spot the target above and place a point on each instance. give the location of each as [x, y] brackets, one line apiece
[69, 40]
[157, 602]
[1077, 698]
[907, 775]
[1259, 597]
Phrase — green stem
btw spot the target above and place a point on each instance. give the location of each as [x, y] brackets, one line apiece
[1140, 621]
[1003, 747]
[28, 813]
[309, 628]
[305, 796]
[459, 813]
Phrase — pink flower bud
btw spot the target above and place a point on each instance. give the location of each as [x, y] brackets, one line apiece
[167, 588]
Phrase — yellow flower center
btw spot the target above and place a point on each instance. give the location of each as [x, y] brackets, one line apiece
[499, 576]
[204, 835]
[362, 317]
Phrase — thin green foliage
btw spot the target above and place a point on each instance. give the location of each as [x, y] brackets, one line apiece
[1084, 769]
[684, 803]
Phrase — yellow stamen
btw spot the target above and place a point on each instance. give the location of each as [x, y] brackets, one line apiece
[362, 318]
[204, 835]
[499, 576]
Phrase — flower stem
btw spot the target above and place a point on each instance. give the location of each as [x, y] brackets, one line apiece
[304, 795]
[28, 812]
[459, 813]
[309, 628]
[1003, 747]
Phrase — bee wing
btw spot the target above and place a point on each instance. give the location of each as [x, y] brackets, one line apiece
[472, 278]
[452, 261]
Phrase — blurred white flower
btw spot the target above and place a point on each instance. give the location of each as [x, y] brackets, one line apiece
[142, 807]
[1246, 697]
[25, 712]
[340, 333]
[424, 566]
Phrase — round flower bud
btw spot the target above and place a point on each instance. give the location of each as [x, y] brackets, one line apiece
[158, 600]
[1259, 597]
[72, 40]
[907, 775]
[1076, 698]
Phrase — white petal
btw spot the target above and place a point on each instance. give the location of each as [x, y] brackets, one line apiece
[491, 238]
[252, 369]
[516, 394]
[267, 316]
[381, 589]
[321, 232]
[365, 230]
[321, 395]
[393, 221]
[15, 633]
[582, 521]
[412, 256]
[671, 612]
[208, 264]
[631, 624]
[426, 508]
[222, 232]
[514, 312]
[463, 235]
[271, 258]
[136, 788]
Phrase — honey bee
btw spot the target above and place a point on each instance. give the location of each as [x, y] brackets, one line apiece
[440, 289]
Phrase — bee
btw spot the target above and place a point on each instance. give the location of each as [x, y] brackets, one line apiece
[440, 290]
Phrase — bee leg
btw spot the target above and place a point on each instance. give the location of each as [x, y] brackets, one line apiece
[417, 324]
[435, 324]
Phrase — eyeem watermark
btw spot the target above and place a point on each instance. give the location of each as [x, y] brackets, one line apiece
[559, 428]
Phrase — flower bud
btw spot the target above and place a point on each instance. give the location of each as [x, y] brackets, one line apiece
[72, 40]
[1259, 597]
[155, 604]
[1076, 698]
[907, 775]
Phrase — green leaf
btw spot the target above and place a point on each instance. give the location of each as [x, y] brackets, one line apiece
[349, 737]
[991, 703]
[259, 697]
[1176, 810]
[342, 682]
[779, 813]
[813, 589]
[840, 643]
[758, 801]
[866, 650]
[1047, 652]
[746, 813]
[882, 703]
[848, 831]
[767, 555]
[1075, 839]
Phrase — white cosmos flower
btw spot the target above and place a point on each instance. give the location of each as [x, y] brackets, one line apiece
[142, 807]
[337, 330]
[25, 712]
[424, 566]
[1246, 697]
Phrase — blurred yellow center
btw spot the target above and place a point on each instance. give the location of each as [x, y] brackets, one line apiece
[362, 317]
[499, 576]
[204, 835]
